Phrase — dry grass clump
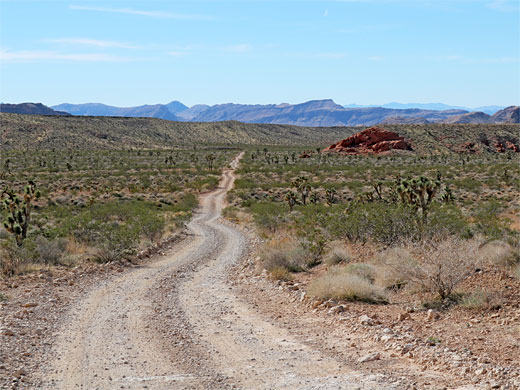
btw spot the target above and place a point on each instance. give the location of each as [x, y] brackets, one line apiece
[516, 271]
[289, 257]
[388, 274]
[437, 267]
[499, 253]
[281, 273]
[342, 283]
[337, 255]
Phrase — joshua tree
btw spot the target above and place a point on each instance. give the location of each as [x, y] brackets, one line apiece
[291, 199]
[447, 196]
[302, 185]
[314, 198]
[286, 159]
[210, 158]
[419, 193]
[19, 211]
[378, 188]
[330, 195]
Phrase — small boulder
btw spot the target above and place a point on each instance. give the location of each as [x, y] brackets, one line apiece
[370, 357]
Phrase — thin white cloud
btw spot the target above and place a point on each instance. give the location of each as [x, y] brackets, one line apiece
[40, 56]
[152, 14]
[240, 48]
[326, 12]
[92, 42]
[376, 58]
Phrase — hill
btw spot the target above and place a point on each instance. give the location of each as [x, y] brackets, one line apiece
[54, 132]
[83, 132]
[313, 113]
[30, 109]
[507, 115]
[161, 111]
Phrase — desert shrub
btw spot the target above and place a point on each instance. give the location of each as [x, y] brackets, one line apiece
[337, 256]
[281, 273]
[388, 275]
[267, 215]
[487, 220]
[391, 224]
[313, 243]
[362, 270]
[479, 300]
[516, 271]
[291, 258]
[499, 253]
[341, 283]
[50, 252]
[13, 257]
[230, 212]
[438, 266]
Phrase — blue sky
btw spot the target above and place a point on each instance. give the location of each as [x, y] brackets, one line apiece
[460, 52]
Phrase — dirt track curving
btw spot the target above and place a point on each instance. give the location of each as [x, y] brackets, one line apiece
[177, 323]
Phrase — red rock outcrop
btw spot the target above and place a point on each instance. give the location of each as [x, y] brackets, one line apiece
[371, 140]
[501, 148]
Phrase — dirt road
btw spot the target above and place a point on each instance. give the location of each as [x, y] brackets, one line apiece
[177, 323]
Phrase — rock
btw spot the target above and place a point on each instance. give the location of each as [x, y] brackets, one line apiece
[7, 332]
[403, 316]
[432, 315]
[315, 304]
[19, 373]
[366, 320]
[336, 309]
[373, 140]
[481, 371]
[370, 357]
[30, 304]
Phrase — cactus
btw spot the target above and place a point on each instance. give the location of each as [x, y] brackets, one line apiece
[19, 211]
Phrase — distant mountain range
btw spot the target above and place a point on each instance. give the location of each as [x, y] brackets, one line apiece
[30, 108]
[490, 110]
[314, 113]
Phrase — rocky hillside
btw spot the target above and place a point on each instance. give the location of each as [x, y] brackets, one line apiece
[30, 109]
[45, 132]
[51, 132]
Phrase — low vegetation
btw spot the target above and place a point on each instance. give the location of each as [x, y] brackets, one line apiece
[383, 228]
[64, 207]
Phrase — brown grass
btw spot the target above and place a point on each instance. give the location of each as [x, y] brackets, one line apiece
[341, 283]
